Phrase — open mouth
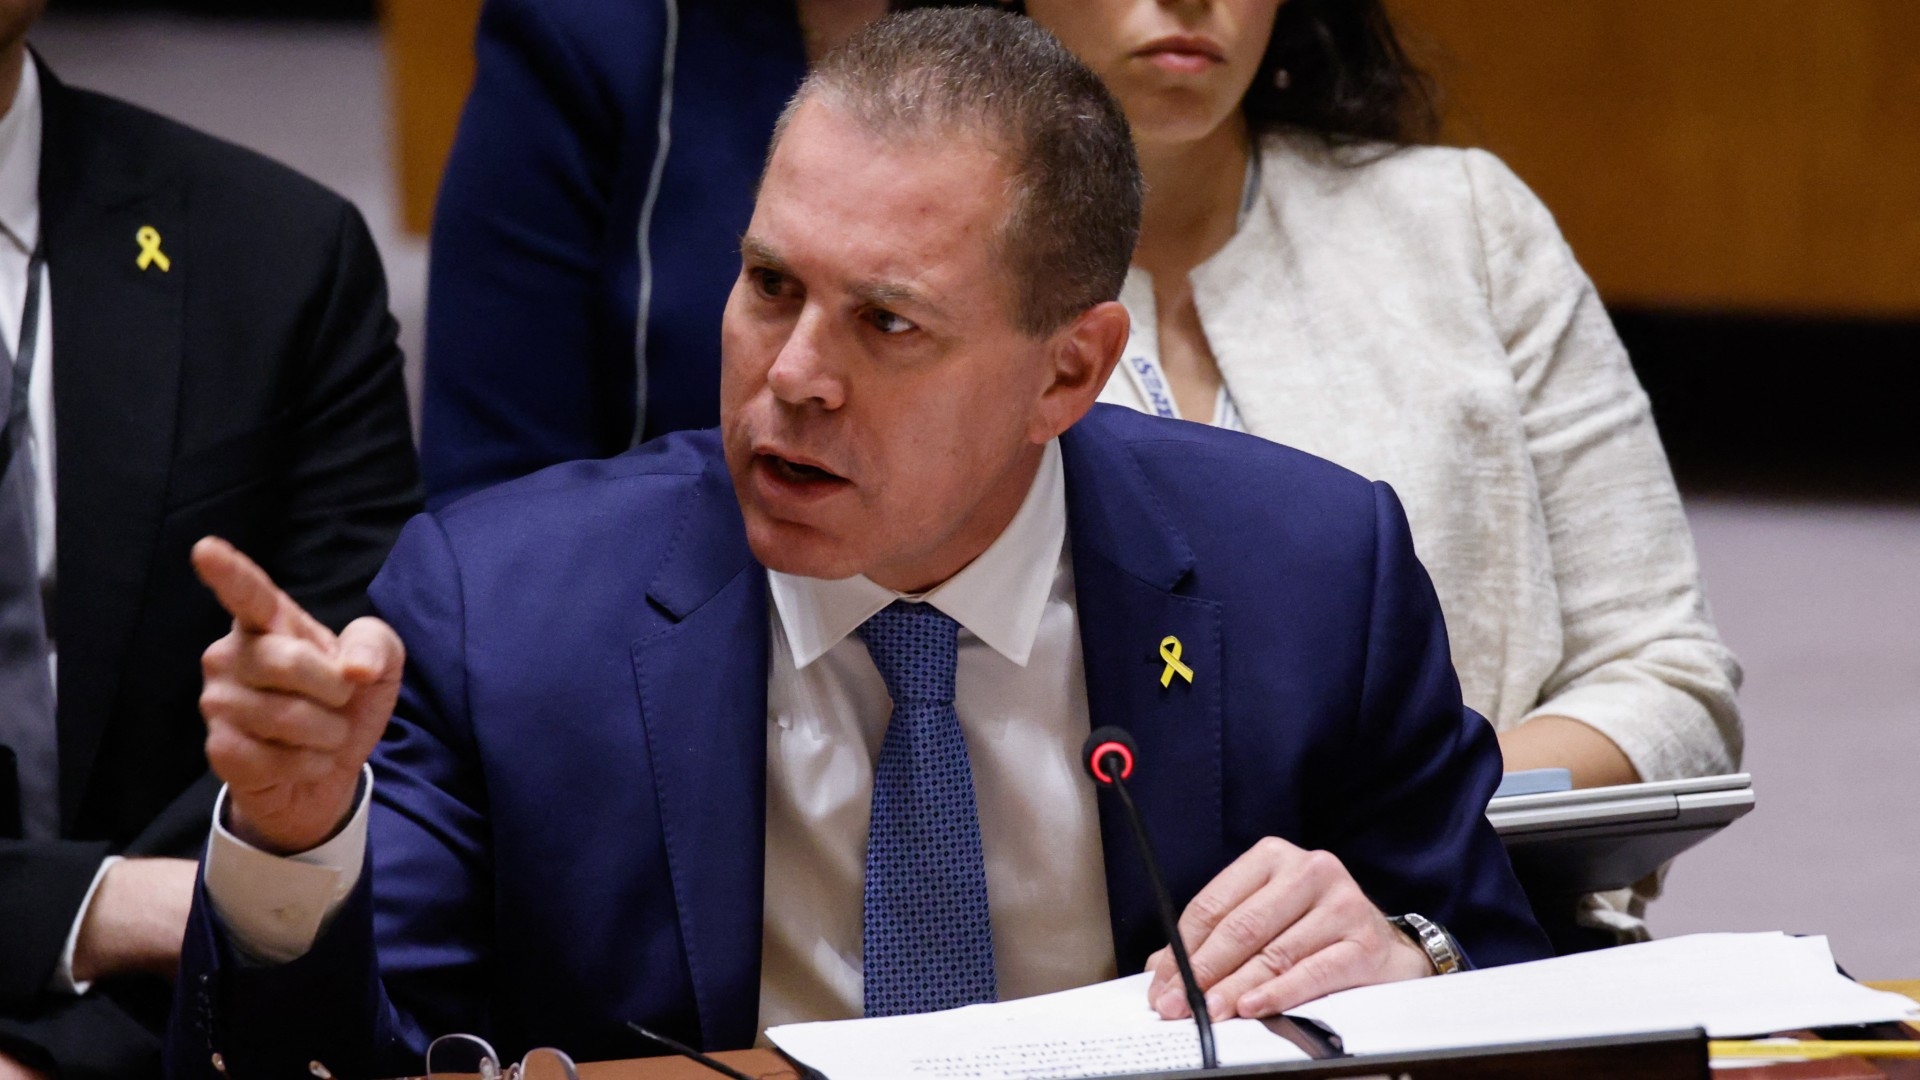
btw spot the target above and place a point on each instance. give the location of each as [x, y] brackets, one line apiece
[796, 472]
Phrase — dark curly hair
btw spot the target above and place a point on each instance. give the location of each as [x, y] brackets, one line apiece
[1347, 78]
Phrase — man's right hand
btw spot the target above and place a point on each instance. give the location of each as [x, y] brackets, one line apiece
[292, 709]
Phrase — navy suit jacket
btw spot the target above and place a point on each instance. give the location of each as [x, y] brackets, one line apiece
[569, 810]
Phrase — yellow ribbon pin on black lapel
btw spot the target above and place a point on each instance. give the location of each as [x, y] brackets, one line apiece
[148, 238]
[1170, 652]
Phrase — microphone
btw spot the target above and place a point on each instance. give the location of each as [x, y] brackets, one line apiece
[1108, 755]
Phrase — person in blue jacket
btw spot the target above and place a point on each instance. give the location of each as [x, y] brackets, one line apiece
[586, 231]
[782, 721]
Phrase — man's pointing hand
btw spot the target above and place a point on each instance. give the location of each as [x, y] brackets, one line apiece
[292, 709]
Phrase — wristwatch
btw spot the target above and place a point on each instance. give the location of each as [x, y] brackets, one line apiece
[1441, 949]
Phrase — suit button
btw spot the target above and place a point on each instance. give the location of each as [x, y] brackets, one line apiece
[219, 1063]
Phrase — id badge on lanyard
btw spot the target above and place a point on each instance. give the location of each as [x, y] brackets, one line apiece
[1151, 382]
[1145, 370]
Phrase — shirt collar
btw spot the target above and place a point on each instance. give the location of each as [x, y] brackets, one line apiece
[20, 161]
[999, 596]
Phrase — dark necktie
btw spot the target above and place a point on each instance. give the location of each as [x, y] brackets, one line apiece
[26, 684]
[928, 943]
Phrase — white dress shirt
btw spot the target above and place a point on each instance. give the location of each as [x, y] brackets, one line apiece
[19, 232]
[1020, 693]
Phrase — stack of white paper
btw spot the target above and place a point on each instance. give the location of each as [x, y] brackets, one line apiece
[1106, 1029]
[1730, 984]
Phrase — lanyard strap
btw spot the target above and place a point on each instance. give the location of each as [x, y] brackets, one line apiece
[1151, 382]
[29, 340]
[14, 432]
[1249, 187]
[1147, 378]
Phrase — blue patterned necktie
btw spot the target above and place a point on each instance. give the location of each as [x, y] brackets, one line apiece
[928, 943]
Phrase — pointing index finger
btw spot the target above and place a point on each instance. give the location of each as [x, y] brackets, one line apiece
[249, 595]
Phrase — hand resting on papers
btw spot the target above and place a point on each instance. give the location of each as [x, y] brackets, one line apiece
[1280, 926]
[292, 709]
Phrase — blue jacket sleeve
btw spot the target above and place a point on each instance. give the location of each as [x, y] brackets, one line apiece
[408, 954]
[1417, 816]
[527, 363]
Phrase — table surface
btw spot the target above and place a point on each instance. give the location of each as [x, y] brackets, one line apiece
[767, 1065]
[761, 1064]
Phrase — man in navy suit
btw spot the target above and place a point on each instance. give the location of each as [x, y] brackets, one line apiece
[782, 721]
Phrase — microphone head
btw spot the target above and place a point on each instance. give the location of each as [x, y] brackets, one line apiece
[1102, 745]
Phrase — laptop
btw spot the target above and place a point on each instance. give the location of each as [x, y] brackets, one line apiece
[1608, 838]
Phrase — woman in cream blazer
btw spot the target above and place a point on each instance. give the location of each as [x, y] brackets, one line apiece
[1308, 275]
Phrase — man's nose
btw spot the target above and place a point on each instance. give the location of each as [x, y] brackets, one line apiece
[805, 370]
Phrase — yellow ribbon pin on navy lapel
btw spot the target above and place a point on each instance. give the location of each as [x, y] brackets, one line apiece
[1170, 652]
[148, 238]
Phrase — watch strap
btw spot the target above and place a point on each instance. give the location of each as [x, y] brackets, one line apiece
[1439, 945]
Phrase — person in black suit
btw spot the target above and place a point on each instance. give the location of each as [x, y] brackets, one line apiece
[207, 333]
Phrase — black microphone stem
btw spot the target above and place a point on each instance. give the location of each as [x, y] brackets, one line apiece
[1195, 999]
[689, 1052]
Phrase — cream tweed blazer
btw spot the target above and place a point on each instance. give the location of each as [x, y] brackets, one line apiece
[1418, 319]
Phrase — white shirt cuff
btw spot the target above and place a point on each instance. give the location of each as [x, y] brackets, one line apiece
[63, 981]
[275, 907]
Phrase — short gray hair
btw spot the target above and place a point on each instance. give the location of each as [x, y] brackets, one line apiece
[1075, 215]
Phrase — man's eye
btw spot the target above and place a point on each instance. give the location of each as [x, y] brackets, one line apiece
[887, 322]
[769, 282]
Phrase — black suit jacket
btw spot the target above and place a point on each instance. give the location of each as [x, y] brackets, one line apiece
[251, 390]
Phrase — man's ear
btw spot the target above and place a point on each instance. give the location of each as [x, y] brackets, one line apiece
[1083, 353]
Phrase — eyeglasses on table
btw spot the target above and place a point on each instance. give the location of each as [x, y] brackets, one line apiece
[460, 1056]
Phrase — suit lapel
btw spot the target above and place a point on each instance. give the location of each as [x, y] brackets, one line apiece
[1130, 566]
[703, 699]
[117, 344]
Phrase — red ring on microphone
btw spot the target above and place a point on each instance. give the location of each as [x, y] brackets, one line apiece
[1100, 754]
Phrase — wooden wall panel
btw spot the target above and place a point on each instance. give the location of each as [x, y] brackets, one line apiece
[429, 45]
[1709, 154]
[1717, 154]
